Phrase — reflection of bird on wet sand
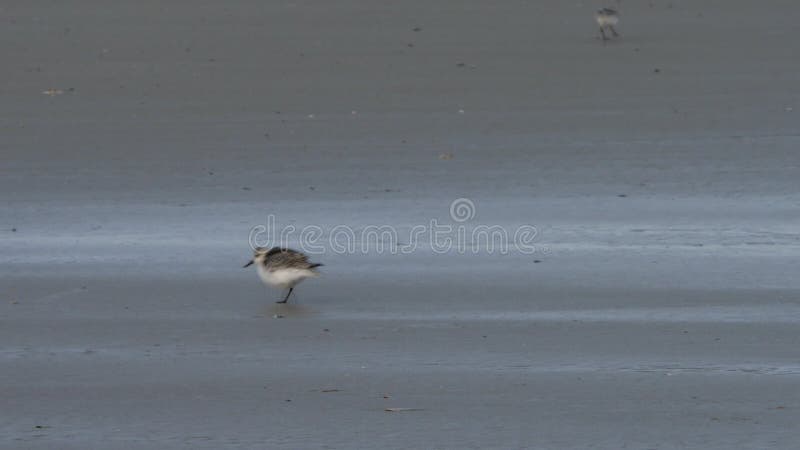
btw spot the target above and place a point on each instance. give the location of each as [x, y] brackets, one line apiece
[283, 267]
[287, 311]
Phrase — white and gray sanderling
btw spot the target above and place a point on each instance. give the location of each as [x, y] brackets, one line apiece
[283, 268]
[606, 18]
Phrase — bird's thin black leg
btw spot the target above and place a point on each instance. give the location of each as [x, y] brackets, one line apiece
[611, 27]
[603, 33]
[285, 299]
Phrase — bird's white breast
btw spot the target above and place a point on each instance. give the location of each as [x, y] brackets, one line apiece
[283, 278]
[605, 20]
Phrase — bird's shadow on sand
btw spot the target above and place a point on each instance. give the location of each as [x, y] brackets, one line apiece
[287, 310]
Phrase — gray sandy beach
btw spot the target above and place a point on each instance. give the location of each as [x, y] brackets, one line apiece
[142, 142]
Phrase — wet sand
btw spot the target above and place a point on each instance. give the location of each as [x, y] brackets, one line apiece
[659, 171]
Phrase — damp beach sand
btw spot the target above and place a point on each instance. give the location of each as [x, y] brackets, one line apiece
[142, 142]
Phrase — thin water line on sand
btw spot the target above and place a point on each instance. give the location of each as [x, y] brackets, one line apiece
[719, 314]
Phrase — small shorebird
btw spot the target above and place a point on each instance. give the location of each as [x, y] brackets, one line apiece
[607, 18]
[282, 267]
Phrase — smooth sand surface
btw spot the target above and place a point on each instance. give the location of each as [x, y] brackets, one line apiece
[141, 143]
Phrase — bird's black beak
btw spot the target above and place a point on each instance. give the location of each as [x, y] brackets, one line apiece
[248, 264]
